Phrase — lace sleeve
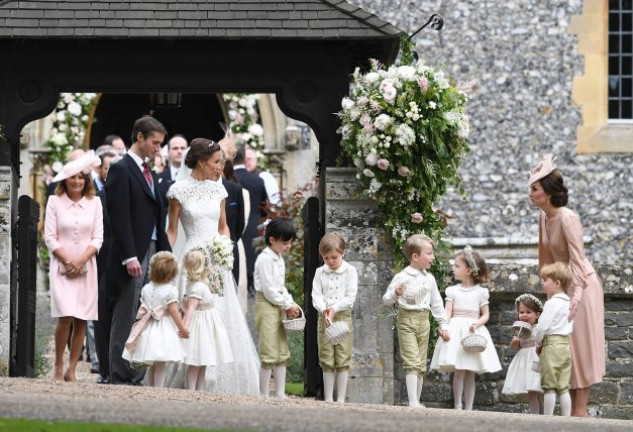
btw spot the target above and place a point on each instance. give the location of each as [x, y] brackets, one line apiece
[175, 191]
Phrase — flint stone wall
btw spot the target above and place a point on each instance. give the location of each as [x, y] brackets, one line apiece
[376, 374]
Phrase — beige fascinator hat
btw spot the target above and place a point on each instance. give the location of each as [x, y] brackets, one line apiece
[543, 169]
[227, 143]
[83, 164]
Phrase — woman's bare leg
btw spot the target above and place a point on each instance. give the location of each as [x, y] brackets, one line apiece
[62, 331]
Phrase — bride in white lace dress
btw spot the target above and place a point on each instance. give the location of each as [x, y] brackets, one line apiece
[197, 201]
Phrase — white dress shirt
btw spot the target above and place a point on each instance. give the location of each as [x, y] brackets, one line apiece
[270, 278]
[427, 295]
[553, 320]
[334, 288]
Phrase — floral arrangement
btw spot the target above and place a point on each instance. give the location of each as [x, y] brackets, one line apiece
[244, 121]
[70, 121]
[221, 251]
[405, 129]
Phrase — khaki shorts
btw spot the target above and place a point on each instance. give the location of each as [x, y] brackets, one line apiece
[413, 335]
[273, 344]
[335, 357]
[555, 364]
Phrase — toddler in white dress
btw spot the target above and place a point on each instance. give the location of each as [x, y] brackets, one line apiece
[468, 311]
[521, 378]
[208, 344]
[154, 338]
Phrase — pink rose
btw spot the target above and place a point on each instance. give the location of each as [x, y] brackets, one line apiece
[403, 171]
[383, 164]
[416, 218]
[423, 82]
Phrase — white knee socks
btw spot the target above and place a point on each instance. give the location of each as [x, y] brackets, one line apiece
[264, 381]
[458, 388]
[549, 400]
[469, 390]
[412, 389]
[565, 404]
[420, 384]
[328, 386]
[159, 374]
[280, 381]
[341, 385]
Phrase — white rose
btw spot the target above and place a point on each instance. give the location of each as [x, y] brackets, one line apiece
[382, 121]
[74, 108]
[57, 166]
[347, 103]
[371, 159]
[368, 172]
[256, 129]
[372, 77]
[406, 72]
[61, 116]
[389, 93]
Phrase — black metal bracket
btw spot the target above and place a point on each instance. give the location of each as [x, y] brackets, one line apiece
[436, 21]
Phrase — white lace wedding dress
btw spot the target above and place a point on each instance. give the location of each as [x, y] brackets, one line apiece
[199, 215]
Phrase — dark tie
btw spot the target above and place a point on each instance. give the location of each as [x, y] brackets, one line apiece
[147, 174]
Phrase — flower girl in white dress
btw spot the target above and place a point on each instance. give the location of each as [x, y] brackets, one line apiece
[468, 312]
[521, 379]
[208, 343]
[154, 337]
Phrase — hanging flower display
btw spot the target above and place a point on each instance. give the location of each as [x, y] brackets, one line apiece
[405, 129]
[244, 120]
[70, 121]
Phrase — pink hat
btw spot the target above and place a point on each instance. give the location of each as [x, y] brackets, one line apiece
[83, 164]
[543, 169]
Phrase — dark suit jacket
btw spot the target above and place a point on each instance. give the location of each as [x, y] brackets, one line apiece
[234, 209]
[102, 257]
[258, 198]
[133, 213]
[164, 182]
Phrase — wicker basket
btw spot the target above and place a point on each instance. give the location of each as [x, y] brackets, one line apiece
[521, 330]
[536, 366]
[297, 324]
[337, 332]
[474, 343]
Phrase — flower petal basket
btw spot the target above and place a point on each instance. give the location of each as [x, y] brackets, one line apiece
[297, 324]
[521, 330]
[337, 332]
[474, 343]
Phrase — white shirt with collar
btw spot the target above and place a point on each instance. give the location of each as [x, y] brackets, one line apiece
[334, 288]
[270, 278]
[429, 297]
[174, 172]
[553, 320]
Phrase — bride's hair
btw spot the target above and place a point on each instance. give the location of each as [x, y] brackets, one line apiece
[200, 149]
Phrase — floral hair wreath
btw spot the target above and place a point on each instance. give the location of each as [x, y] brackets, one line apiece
[205, 251]
[529, 297]
[470, 259]
[161, 254]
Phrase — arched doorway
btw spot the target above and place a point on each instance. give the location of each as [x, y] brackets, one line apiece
[190, 115]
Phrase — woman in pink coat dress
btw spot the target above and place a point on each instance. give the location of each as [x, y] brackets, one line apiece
[561, 239]
[73, 233]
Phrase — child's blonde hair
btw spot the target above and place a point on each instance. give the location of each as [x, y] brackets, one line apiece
[476, 264]
[415, 243]
[197, 265]
[558, 271]
[163, 267]
[332, 241]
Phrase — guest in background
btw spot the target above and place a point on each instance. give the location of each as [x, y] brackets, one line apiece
[73, 234]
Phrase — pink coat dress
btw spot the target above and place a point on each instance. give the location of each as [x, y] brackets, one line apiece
[564, 243]
[73, 226]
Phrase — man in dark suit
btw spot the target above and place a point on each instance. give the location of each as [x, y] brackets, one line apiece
[234, 209]
[258, 199]
[137, 223]
[175, 148]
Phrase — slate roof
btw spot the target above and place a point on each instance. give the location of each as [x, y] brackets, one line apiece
[263, 19]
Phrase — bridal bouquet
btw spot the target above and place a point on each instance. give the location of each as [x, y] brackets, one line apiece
[222, 252]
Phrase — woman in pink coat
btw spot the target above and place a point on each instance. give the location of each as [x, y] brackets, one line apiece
[73, 233]
[561, 239]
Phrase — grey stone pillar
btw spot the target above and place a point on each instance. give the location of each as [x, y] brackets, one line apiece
[6, 188]
[369, 249]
